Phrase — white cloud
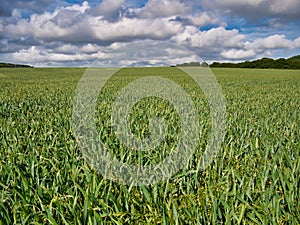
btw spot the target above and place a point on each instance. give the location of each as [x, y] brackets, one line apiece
[136, 53]
[297, 42]
[147, 52]
[256, 9]
[276, 6]
[261, 46]
[9, 8]
[215, 37]
[286, 6]
[82, 33]
[75, 49]
[128, 29]
[238, 54]
[57, 24]
[74, 24]
[202, 19]
[109, 8]
[239, 2]
[271, 42]
[35, 55]
[79, 8]
[163, 8]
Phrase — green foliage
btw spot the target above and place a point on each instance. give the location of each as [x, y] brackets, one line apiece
[254, 180]
[297, 57]
[193, 64]
[264, 63]
[11, 65]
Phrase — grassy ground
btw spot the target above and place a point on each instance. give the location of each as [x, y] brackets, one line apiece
[254, 180]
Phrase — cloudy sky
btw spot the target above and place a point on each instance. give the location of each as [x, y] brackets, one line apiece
[76, 32]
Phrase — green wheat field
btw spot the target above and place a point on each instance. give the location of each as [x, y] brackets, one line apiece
[253, 180]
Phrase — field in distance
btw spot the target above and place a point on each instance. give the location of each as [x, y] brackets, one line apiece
[254, 179]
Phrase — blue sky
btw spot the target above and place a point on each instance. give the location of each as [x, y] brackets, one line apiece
[76, 32]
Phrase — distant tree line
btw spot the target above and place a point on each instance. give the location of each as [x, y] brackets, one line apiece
[193, 64]
[11, 65]
[264, 63]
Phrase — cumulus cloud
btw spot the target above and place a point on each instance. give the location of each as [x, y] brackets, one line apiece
[198, 20]
[15, 44]
[215, 37]
[261, 46]
[255, 10]
[271, 42]
[285, 7]
[37, 55]
[109, 8]
[142, 53]
[146, 53]
[76, 34]
[7, 7]
[163, 8]
[238, 54]
[297, 42]
[202, 19]
[75, 24]
[131, 29]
